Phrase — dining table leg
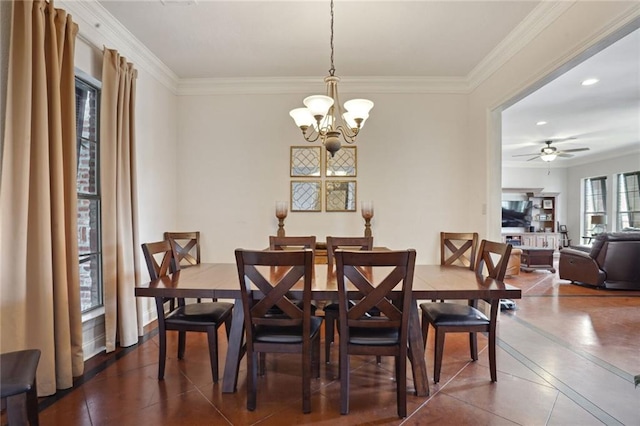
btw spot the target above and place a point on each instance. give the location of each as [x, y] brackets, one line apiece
[416, 352]
[235, 349]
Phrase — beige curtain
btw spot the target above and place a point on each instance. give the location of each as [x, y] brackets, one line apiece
[120, 247]
[39, 285]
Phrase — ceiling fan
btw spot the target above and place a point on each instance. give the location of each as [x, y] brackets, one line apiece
[549, 153]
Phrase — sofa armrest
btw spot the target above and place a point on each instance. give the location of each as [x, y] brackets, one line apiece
[576, 265]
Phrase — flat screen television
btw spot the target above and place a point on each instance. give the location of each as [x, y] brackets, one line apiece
[516, 214]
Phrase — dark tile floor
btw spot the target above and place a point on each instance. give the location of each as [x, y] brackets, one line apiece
[567, 355]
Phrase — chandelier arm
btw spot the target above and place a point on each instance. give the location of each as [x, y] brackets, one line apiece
[310, 136]
[348, 135]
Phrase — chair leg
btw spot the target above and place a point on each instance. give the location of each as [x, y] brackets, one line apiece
[344, 381]
[329, 333]
[437, 365]
[473, 346]
[401, 385]
[162, 357]
[492, 357]
[425, 329]
[252, 379]
[212, 335]
[32, 405]
[306, 378]
[182, 343]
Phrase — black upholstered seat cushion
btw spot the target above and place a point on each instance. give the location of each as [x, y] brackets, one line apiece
[453, 314]
[374, 336]
[200, 313]
[17, 371]
[284, 334]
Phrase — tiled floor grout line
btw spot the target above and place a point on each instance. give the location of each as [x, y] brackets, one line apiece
[583, 354]
[565, 389]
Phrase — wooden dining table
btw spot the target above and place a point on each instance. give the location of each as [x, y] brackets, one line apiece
[431, 282]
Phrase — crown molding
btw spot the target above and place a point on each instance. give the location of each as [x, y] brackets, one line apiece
[305, 85]
[99, 28]
[534, 23]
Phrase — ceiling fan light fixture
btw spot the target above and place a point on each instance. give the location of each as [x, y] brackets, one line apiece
[548, 157]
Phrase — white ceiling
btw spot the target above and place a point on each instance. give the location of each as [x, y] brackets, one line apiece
[402, 39]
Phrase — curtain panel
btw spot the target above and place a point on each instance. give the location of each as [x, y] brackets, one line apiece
[39, 285]
[120, 245]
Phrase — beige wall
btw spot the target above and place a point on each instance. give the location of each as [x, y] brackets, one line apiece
[232, 172]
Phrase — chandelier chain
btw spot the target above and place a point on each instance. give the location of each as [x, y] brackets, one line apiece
[332, 70]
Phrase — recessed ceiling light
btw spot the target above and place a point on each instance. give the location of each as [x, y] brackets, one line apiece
[590, 81]
[541, 123]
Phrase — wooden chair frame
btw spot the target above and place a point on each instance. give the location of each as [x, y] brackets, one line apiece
[331, 311]
[358, 267]
[286, 269]
[461, 248]
[223, 310]
[496, 269]
[186, 247]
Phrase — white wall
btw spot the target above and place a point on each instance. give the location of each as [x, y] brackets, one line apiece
[611, 168]
[230, 173]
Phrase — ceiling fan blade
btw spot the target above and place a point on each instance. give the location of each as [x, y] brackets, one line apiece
[563, 155]
[531, 159]
[575, 150]
[526, 155]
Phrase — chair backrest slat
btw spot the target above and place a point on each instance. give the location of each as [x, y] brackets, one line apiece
[165, 265]
[266, 279]
[350, 243]
[292, 243]
[458, 249]
[368, 272]
[495, 257]
[186, 246]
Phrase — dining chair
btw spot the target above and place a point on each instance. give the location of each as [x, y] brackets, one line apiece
[198, 317]
[458, 249]
[18, 387]
[375, 275]
[293, 331]
[459, 318]
[292, 243]
[186, 246]
[331, 309]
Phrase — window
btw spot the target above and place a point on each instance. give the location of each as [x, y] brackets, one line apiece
[88, 187]
[628, 200]
[595, 201]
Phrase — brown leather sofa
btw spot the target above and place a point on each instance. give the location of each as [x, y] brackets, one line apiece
[612, 263]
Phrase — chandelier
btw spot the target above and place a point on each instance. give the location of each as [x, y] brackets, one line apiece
[325, 119]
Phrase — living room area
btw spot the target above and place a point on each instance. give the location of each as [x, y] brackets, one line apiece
[571, 169]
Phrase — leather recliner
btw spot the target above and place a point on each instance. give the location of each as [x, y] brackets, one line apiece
[612, 263]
